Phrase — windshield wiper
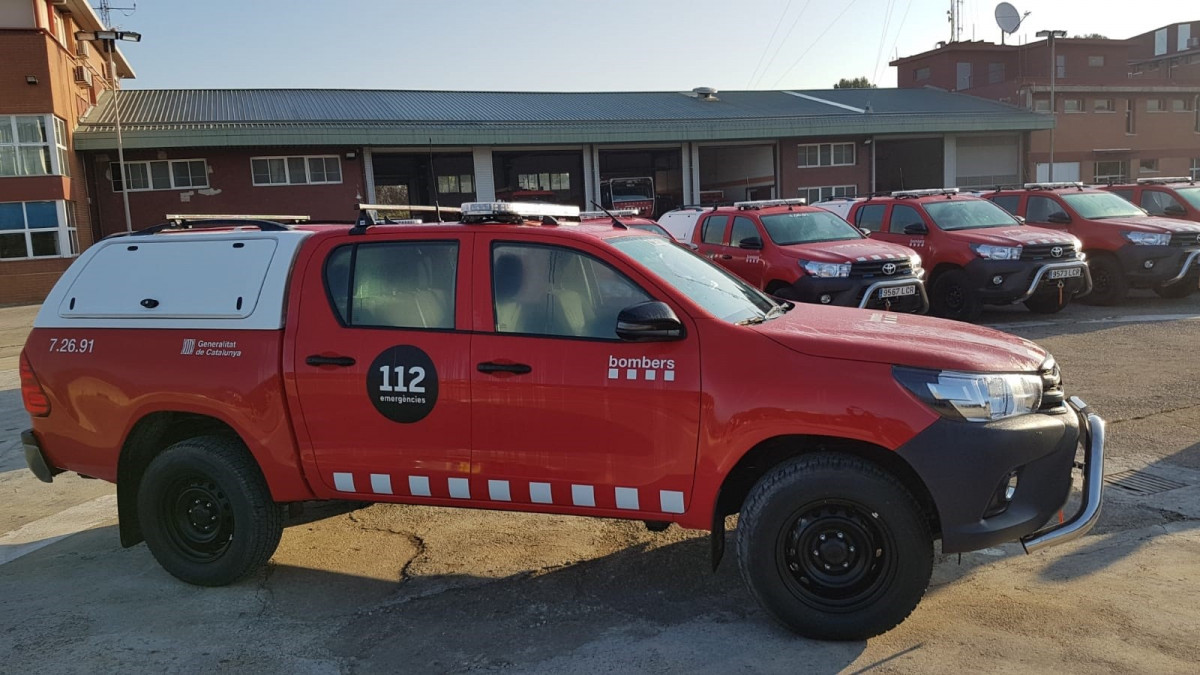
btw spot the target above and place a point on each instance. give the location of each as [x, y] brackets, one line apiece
[753, 321]
[779, 310]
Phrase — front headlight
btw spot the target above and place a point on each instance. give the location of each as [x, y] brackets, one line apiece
[825, 270]
[974, 397]
[915, 261]
[1149, 238]
[989, 252]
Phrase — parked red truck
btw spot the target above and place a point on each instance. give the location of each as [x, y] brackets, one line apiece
[1125, 246]
[976, 252]
[1172, 197]
[515, 361]
[798, 252]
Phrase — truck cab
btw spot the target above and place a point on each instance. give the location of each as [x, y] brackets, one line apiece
[805, 254]
[1177, 197]
[1126, 247]
[976, 253]
[629, 193]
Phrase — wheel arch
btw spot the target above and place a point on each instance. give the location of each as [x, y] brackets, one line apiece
[939, 270]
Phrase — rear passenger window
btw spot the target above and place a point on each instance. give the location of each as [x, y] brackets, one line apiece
[870, 218]
[1127, 195]
[713, 231]
[1007, 202]
[902, 217]
[1157, 203]
[394, 284]
[743, 228]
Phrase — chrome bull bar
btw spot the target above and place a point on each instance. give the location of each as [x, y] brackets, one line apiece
[1037, 278]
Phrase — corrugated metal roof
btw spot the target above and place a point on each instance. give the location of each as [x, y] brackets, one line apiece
[173, 117]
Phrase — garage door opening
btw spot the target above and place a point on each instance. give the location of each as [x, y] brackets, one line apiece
[736, 173]
[550, 177]
[409, 178]
[909, 164]
[663, 166]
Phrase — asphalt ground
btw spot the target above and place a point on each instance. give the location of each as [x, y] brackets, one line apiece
[384, 588]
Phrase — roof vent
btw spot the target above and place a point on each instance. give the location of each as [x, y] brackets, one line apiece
[706, 93]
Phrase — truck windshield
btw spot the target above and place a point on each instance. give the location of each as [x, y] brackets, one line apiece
[968, 214]
[1191, 194]
[1093, 205]
[626, 191]
[719, 293]
[803, 227]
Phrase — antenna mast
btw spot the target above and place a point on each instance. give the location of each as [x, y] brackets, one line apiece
[956, 20]
[106, 9]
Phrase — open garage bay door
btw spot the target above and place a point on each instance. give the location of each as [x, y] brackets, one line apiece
[731, 173]
[909, 164]
[663, 165]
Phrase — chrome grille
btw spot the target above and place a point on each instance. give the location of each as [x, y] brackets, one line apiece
[874, 268]
[1185, 238]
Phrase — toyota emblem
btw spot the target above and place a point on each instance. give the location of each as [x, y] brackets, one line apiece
[889, 268]
[1057, 251]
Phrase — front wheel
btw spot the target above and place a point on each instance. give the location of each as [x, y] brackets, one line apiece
[1109, 285]
[954, 297]
[206, 512]
[834, 548]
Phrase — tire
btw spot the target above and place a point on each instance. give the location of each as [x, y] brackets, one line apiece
[1109, 285]
[1180, 289]
[789, 550]
[1047, 303]
[954, 298]
[779, 289]
[194, 497]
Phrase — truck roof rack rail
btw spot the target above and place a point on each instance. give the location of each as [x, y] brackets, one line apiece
[768, 203]
[1055, 185]
[218, 223]
[188, 217]
[930, 192]
[1166, 180]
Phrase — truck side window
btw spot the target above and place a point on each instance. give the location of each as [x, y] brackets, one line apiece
[394, 284]
[713, 231]
[1127, 195]
[902, 217]
[870, 217]
[1039, 209]
[1157, 202]
[1007, 202]
[743, 228]
[553, 291]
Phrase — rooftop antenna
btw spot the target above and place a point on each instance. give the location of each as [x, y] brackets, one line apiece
[106, 9]
[955, 13]
[1008, 19]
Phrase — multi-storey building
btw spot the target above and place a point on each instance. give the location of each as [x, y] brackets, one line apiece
[1125, 109]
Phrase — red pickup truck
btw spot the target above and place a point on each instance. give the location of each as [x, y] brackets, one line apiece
[1177, 197]
[521, 360]
[976, 252]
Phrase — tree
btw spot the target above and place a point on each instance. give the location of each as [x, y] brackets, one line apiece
[856, 83]
[1091, 36]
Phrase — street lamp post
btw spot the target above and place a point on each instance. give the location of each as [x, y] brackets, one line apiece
[108, 38]
[1050, 36]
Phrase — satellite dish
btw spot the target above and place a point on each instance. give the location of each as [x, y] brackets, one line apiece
[1008, 18]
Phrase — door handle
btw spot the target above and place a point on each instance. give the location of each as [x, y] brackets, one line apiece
[726, 256]
[318, 360]
[515, 368]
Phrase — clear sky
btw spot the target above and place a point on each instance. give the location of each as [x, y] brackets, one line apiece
[574, 45]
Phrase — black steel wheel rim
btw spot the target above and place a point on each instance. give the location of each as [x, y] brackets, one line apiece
[836, 556]
[954, 297]
[198, 517]
[1101, 281]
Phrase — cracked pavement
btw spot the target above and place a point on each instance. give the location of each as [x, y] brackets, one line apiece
[360, 588]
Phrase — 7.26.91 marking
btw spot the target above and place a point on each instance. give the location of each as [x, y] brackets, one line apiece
[72, 345]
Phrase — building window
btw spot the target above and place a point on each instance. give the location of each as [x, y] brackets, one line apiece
[175, 174]
[1073, 105]
[1095, 61]
[1109, 172]
[995, 73]
[32, 229]
[60, 143]
[1104, 105]
[1196, 168]
[820, 194]
[826, 154]
[455, 184]
[1061, 70]
[1041, 104]
[298, 170]
[1155, 105]
[1181, 104]
[921, 74]
[1129, 117]
[1148, 166]
[544, 181]
[24, 146]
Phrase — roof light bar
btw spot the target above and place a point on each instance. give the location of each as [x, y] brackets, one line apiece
[596, 215]
[1164, 181]
[767, 203]
[925, 193]
[1053, 186]
[523, 209]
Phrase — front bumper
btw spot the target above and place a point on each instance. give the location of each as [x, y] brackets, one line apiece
[965, 466]
[1168, 264]
[1022, 279]
[36, 459]
[861, 292]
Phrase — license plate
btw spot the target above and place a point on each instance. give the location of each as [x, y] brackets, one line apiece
[1067, 273]
[897, 291]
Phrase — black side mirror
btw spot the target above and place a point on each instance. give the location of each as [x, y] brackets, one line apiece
[1058, 217]
[916, 228]
[1175, 210]
[651, 321]
[752, 243]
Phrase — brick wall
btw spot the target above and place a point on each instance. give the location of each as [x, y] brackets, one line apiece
[28, 281]
[793, 177]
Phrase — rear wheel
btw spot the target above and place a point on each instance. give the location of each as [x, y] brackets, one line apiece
[834, 548]
[1109, 286]
[954, 298]
[206, 512]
